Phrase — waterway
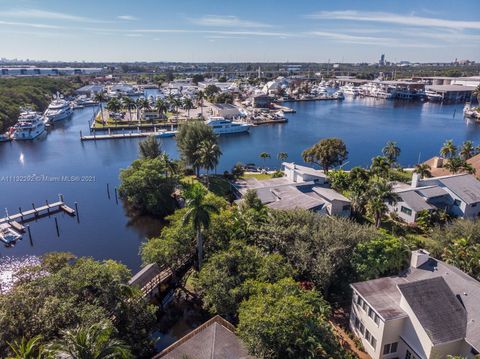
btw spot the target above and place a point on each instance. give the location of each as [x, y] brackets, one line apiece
[61, 163]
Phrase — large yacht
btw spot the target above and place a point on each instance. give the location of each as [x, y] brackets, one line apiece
[350, 90]
[30, 125]
[59, 109]
[221, 125]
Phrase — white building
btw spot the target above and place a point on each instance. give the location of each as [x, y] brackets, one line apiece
[430, 311]
[226, 110]
[458, 195]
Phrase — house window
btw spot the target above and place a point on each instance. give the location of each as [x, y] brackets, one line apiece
[406, 210]
[408, 355]
[357, 323]
[373, 341]
[365, 306]
[474, 205]
[346, 207]
[457, 203]
[390, 348]
[367, 335]
[362, 328]
[359, 301]
[371, 313]
[377, 319]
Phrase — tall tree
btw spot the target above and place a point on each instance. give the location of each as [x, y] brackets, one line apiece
[467, 151]
[391, 151]
[379, 192]
[282, 156]
[327, 153]
[93, 342]
[380, 166]
[208, 154]
[162, 107]
[264, 156]
[189, 137]
[187, 105]
[423, 170]
[114, 105]
[128, 104]
[448, 150]
[198, 214]
[200, 97]
[150, 147]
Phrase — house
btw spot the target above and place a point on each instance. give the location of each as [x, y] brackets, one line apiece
[437, 165]
[262, 101]
[214, 339]
[458, 195]
[431, 310]
[226, 110]
[301, 187]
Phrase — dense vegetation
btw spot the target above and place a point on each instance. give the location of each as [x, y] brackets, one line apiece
[64, 293]
[29, 91]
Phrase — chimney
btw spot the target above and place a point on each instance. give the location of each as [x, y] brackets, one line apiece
[438, 162]
[415, 180]
[294, 165]
[418, 258]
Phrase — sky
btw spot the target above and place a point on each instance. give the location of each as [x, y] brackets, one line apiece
[240, 30]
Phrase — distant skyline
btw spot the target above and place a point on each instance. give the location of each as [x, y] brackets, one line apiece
[240, 31]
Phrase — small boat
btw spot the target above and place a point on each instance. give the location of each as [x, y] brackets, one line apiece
[433, 96]
[164, 133]
[4, 137]
[8, 235]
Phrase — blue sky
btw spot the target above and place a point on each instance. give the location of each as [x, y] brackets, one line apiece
[240, 30]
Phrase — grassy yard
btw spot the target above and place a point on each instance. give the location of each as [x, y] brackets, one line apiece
[258, 176]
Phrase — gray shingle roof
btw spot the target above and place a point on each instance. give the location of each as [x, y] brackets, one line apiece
[467, 187]
[432, 192]
[437, 309]
[414, 200]
[214, 339]
[330, 194]
[145, 275]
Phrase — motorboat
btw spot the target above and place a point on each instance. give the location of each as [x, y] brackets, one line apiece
[58, 110]
[221, 125]
[8, 235]
[30, 125]
[433, 96]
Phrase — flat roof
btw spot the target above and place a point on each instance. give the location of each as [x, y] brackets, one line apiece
[450, 88]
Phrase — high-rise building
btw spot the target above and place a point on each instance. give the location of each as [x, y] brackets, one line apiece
[382, 60]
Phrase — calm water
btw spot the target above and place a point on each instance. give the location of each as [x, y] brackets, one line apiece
[105, 231]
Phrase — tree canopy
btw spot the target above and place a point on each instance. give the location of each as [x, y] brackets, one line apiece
[327, 153]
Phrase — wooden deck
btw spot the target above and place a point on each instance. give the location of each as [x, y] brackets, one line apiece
[23, 216]
[126, 135]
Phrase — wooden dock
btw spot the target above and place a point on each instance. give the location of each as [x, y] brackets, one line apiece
[15, 219]
[112, 136]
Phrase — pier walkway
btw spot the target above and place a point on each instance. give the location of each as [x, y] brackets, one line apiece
[112, 136]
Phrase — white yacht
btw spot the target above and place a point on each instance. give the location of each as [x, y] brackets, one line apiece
[350, 90]
[58, 110]
[221, 125]
[8, 235]
[433, 96]
[30, 125]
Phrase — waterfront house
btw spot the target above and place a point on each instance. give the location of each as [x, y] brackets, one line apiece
[214, 339]
[300, 187]
[429, 311]
[262, 101]
[226, 110]
[458, 195]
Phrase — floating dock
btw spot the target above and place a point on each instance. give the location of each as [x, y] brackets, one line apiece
[112, 136]
[36, 212]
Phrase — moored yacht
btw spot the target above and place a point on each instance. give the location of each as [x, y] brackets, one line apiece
[58, 110]
[221, 125]
[8, 235]
[350, 90]
[30, 125]
[433, 96]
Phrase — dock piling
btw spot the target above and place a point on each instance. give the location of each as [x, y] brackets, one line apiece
[56, 226]
[21, 213]
[29, 234]
[76, 211]
[108, 190]
[48, 207]
[116, 196]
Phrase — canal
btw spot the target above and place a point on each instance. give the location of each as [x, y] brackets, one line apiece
[60, 163]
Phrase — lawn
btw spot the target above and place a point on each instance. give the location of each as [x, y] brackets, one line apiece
[258, 176]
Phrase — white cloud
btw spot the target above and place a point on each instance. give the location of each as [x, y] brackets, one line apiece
[226, 21]
[391, 18]
[127, 17]
[26, 24]
[48, 15]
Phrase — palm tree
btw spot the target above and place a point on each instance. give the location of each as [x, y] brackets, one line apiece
[448, 149]
[200, 97]
[467, 151]
[455, 165]
[170, 166]
[140, 102]
[423, 170]
[128, 103]
[162, 107]
[28, 349]
[391, 151]
[476, 93]
[101, 98]
[208, 154]
[199, 212]
[264, 156]
[187, 105]
[282, 156]
[379, 193]
[150, 147]
[93, 342]
[176, 105]
[380, 166]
